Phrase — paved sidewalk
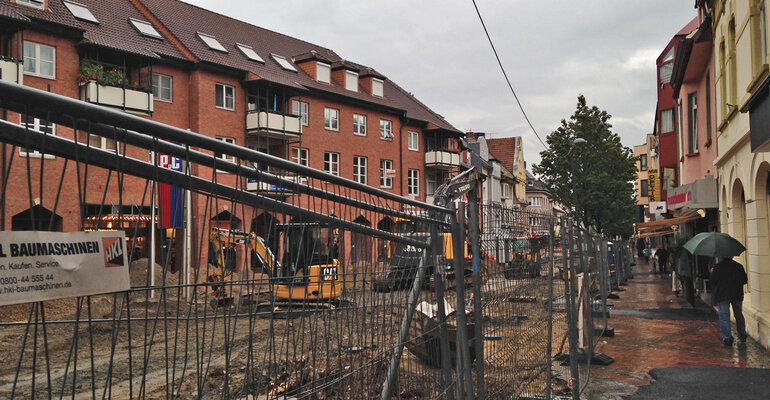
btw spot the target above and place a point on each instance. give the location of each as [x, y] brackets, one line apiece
[654, 329]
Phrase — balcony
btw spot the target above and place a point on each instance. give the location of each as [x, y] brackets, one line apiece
[273, 124]
[128, 99]
[10, 71]
[442, 159]
[270, 189]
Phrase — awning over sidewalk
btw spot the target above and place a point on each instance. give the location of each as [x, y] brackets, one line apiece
[666, 226]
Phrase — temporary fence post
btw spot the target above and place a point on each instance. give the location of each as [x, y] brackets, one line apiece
[403, 333]
[473, 230]
[438, 280]
[572, 317]
[464, 378]
[604, 270]
[549, 345]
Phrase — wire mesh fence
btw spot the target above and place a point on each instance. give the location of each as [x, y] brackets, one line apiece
[251, 275]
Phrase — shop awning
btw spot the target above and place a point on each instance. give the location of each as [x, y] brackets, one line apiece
[666, 226]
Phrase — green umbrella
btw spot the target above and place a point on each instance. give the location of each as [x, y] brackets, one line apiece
[714, 244]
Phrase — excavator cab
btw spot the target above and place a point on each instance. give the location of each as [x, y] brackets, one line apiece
[309, 268]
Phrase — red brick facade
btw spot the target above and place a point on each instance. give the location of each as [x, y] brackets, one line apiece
[193, 107]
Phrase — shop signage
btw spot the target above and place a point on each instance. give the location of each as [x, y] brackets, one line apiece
[699, 194]
[38, 266]
[170, 198]
[653, 184]
[658, 207]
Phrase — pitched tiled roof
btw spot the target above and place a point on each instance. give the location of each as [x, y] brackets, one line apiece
[185, 20]
[56, 13]
[115, 31]
[9, 11]
[504, 149]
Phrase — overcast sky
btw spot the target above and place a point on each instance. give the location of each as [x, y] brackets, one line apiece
[552, 51]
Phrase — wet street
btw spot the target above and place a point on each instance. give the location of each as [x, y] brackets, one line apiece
[654, 331]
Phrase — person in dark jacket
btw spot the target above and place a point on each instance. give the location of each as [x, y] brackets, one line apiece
[728, 278]
[662, 256]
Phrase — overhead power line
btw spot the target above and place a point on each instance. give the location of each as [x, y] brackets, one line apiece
[506, 75]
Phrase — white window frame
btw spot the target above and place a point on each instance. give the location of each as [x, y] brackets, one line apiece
[536, 201]
[332, 163]
[145, 28]
[672, 127]
[249, 52]
[386, 129]
[762, 31]
[323, 72]
[39, 4]
[430, 184]
[359, 127]
[300, 155]
[414, 141]
[102, 143]
[378, 89]
[160, 87]
[35, 60]
[211, 42]
[351, 81]
[386, 182]
[80, 11]
[283, 62]
[413, 182]
[224, 97]
[223, 156]
[302, 109]
[36, 125]
[331, 119]
[360, 169]
[506, 191]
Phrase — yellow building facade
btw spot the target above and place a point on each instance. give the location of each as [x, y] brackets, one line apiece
[743, 163]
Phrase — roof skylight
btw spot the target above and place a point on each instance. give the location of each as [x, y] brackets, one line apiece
[81, 12]
[283, 62]
[249, 52]
[212, 42]
[145, 28]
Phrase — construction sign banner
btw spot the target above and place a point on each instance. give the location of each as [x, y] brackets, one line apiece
[37, 265]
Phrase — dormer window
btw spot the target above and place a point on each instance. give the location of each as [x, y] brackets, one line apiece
[323, 72]
[32, 3]
[211, 42]
[283, 62]
[351, 81]
[80, 11]
[377, 87]
[249, 52]
[145, 28]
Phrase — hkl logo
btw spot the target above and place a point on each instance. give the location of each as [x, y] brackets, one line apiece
[113, 252]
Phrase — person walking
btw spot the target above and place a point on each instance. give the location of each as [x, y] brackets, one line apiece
[662, 255]
[640, 246]
[684, 272]
[728, 278]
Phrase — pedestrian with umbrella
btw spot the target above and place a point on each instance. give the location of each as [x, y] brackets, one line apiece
[727, 278]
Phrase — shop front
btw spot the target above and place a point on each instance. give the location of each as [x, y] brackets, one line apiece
[698, 195]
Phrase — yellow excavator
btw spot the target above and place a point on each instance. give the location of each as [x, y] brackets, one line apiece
[309, 271]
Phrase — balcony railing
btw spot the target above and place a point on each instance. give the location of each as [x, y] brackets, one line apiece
[11, 72]
[265, 187]
[273, 124]
[442, 159]
[129, 99]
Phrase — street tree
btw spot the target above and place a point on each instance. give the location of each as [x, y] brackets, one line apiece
[601, 170]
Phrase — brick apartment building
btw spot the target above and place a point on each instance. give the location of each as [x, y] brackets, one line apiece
[185, 66]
